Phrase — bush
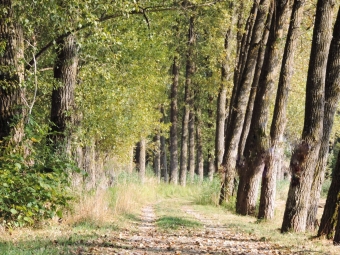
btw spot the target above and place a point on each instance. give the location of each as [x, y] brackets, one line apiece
[33, 182]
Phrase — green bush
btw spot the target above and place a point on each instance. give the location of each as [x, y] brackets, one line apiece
[33, 182]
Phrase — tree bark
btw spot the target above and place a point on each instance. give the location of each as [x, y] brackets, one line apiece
[191, 146]
[267, 200]
[164, 163]
[241, 99]
[328, 220]
[256, 153]
[157, 156]
[65, 72]
[174, 120]
[222, 96]
[200, 159]
[190, 70]
[243, 55]
[142, 160]
[11, 75]
[332, 95]
[305, 155]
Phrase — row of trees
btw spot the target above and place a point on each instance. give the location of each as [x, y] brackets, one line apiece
[191, 81]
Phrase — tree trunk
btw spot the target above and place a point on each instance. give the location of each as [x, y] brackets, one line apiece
[336, 240]
[328, 220]
[65, 72]
[191, 146]
[164, 163]
[11, 75]
[305, 155]
[173, 128]
[267, 200]
[157, 157]
[241, 99]
[256, 152]
[190, 69]
[332, 94]
[200, 159]
[243, 55]
[222, 96]
[142, 160]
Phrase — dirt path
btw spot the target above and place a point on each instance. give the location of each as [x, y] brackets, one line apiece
[214, 238]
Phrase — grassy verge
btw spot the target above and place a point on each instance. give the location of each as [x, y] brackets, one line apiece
[99, 212]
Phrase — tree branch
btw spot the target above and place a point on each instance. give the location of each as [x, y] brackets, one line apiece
[113, 16]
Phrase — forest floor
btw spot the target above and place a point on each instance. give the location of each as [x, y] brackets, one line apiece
[169, 226]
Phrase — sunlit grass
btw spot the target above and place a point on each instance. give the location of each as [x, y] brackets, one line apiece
[169, 222]
[98, 212]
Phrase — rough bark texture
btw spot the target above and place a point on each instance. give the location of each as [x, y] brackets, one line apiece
[190, 69]
[157, 157]
[268, 188]
[329, 217]
[11, 74]
[222, 97]
[305, 155]
[142, 159]
[244, 49]
[191, 146]
[174, 120]
[253, 160]
[336, 240]
[200, 159]
[239, 107]
[332, 94]
[328, 222]
[65, 72]
[164, 160]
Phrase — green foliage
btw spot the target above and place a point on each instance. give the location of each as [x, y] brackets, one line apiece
[173, 223]
[209, 192]
[34, 181]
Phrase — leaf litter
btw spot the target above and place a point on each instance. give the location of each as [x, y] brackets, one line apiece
[214, 238]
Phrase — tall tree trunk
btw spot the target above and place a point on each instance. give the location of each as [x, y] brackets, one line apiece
[191, 146]
[11, 75]
[174, 120]
[243, 55]
[328, 220]
[332, 94]
[200, 159]
[253, 90]
[190, 69]
[142, 160]
[65, 72]
[241, 99]
[305, 155]
[267, 199]
[336, 239]
[157, 157]
[222, 95]
[164, 163]
[257, 144]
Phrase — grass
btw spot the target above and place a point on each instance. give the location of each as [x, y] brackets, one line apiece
[174, 223]
[100, 212]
